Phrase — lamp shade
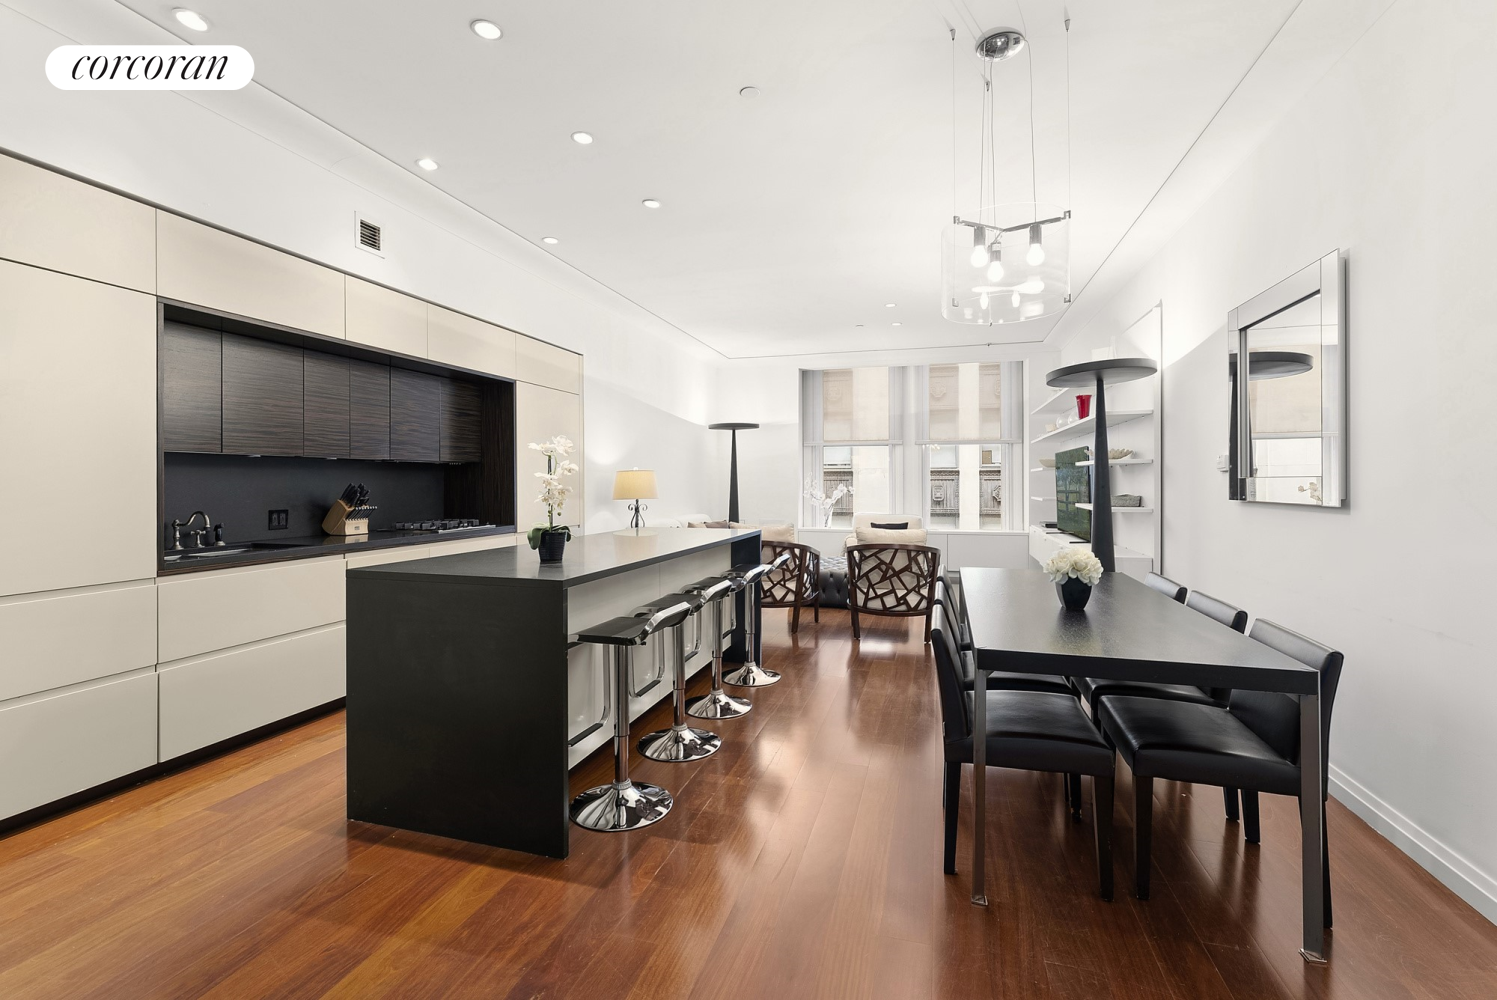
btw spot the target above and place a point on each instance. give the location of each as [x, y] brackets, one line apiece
[634, 484]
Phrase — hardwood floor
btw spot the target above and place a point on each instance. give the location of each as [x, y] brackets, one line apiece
[803, 860]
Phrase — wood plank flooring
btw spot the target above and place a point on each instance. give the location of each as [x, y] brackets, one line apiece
[803, 860]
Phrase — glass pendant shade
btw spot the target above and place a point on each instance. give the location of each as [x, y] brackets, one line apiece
[1023, 270]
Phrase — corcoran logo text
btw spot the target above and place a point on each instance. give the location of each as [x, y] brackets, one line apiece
[150, 67]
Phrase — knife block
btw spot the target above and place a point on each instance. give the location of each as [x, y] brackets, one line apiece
[338, 522]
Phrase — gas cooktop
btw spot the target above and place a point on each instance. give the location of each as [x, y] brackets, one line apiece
[440, 526]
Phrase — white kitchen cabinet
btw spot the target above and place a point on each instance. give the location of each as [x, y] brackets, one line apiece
[78, 455]
[541, 414]
[542, 364]
[213, 610]
[65, 225]
[55, 744]
[208, 267]
[384, 319]
[455, 339]
[66, 637]
[211, 698]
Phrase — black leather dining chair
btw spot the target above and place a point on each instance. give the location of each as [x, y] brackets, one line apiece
[1030, 730]
[1235, 619]
[1253, 744]
[1093, 689]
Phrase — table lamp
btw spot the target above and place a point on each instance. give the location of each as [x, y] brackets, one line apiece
[636, 485]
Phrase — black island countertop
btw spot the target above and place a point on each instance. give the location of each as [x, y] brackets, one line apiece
[270, 550]
[588, 558]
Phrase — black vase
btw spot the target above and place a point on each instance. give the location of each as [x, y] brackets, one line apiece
[1073, 593]
[553, 546]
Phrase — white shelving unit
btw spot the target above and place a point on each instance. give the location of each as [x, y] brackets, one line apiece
[1088, 424]
[1061, 401]
[1120, 510]
[1119, 461]
[1043, 499]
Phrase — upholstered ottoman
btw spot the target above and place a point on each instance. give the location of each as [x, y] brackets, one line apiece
[833, 581]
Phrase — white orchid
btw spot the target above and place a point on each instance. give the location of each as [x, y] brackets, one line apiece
[1074, 561]
[824, 501]
[553, 494]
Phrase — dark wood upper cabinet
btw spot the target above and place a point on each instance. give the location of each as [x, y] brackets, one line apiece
[191, 389]
[415, 416]
[462, 405]
[262, 397]
[368, 410]
[325, 405]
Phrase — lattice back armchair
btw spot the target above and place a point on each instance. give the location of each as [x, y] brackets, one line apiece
[797, 585]
[897, 581]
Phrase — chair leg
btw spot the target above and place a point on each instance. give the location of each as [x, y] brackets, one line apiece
[816, 608]
[1229, 796]
[953, 797]
[1073, 796]
[1143, 823]
[1102, 788]
[1250, 816]
[1325, 865]
[928, 616]
[857, 633]
[795, 619]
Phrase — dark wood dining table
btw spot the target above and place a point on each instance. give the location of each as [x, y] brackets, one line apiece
[1131, 632]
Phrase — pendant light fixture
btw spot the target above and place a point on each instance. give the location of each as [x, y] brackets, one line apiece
[1006, 262]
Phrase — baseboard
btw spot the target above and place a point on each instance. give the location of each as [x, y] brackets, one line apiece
[1454, 871]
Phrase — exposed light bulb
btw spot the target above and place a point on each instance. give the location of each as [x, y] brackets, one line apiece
[979, 247]
[1036, 254]
[995, 269]
[1014, 300]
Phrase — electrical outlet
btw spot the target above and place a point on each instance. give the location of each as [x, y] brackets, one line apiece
[280, 520]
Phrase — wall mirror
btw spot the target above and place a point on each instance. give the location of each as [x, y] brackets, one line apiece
[1288, 424]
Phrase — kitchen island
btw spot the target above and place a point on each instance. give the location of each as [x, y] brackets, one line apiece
[468, 698]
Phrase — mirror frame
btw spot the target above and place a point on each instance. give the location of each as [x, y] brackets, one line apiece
[1326, 278]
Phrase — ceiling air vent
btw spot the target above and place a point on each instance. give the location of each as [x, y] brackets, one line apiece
[369, 235]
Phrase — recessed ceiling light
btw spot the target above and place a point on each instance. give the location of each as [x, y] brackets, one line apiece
[486, 29]
[888, 305]
[190, 19]
[426, 163]
[650, 203]
[749, 92]
[894, 324]
[550, 239]
[582, 137]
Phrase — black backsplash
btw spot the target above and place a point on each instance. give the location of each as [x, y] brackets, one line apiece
[238, 491]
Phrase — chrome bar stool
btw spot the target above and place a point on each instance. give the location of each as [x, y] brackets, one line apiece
[751, 674]
[717, 703]
[625, 804]
[680, 742]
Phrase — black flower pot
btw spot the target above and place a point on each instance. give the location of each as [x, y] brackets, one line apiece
[553, 545]
[1073, 593]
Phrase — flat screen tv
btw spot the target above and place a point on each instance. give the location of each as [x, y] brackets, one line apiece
[1073, 485]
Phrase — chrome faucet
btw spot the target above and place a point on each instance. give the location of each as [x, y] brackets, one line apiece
[195, 535]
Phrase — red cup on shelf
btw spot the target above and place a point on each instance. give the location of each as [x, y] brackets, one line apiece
[1084, 406]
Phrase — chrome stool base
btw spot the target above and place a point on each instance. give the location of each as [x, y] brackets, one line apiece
[680, 744]
[718, 705]
[621, 806]
[751, 675]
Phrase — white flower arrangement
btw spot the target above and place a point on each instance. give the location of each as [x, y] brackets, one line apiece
[823, 501]
[1074, 561]
[554, 493]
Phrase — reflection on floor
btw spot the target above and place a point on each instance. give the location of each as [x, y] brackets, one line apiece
[801, 861]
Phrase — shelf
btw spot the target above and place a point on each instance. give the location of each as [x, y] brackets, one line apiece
[1087, 425]
[1119, 461]
[1041, 468]
[1120, 510]
[1063, 400]
[1042, 498]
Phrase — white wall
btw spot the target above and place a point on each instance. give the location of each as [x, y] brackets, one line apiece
[255, 164]
[1392, 157]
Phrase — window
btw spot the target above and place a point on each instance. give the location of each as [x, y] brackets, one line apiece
[966, 410]
[928, 440]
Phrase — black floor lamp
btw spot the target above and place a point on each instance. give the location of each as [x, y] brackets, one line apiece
[1098, 375]
[733, 466]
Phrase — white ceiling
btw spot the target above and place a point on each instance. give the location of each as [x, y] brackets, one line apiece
[789, 219]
